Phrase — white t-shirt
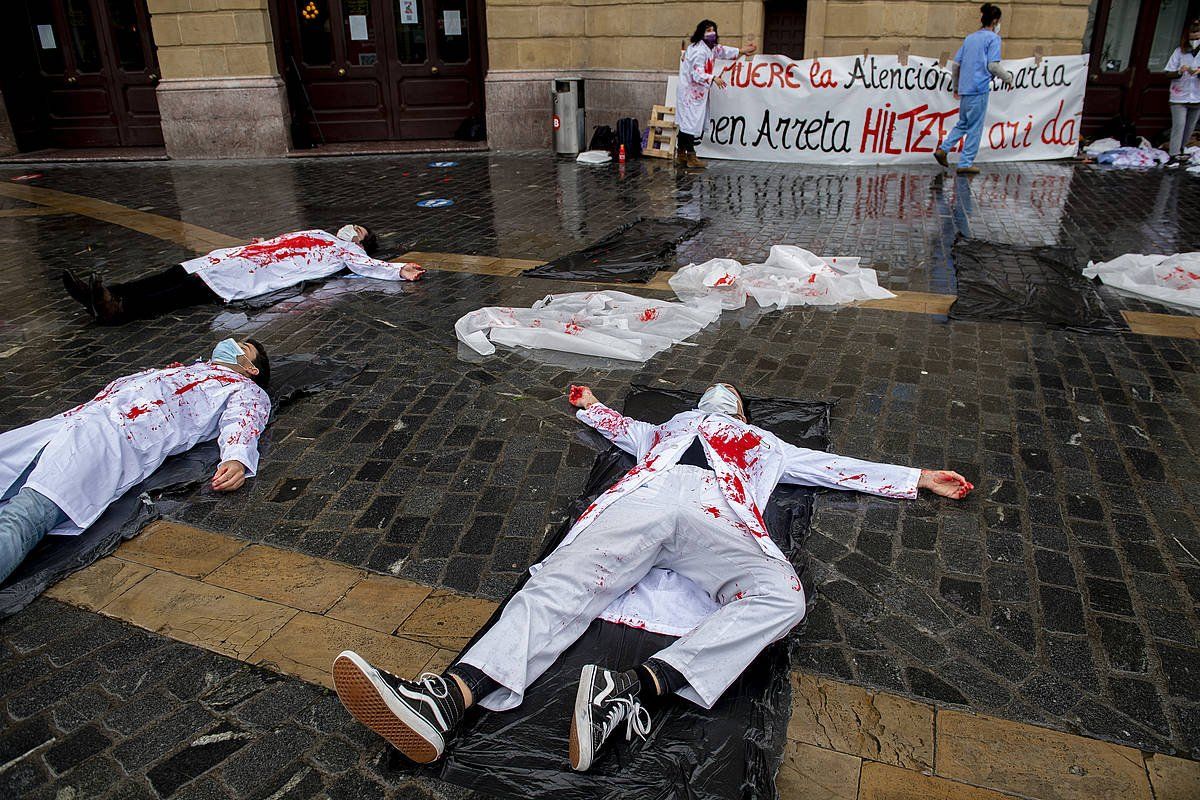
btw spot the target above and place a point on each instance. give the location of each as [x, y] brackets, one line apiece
[1186, 88]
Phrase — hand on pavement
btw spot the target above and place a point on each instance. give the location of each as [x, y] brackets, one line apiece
[945, 482]
[581, 396]
[411, 272]
[229, 476]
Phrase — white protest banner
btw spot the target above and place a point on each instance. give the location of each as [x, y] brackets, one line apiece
[875, 110]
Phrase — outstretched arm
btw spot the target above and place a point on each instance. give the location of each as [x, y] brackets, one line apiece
[360, 263]
[631, 435]
[241, 424]
[817, 468]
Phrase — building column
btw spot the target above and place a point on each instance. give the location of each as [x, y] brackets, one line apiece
[220, 95]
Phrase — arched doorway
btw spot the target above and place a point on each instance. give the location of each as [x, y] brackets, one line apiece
[80, 73]
[372, 70]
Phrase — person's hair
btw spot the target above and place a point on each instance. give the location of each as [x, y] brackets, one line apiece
[262, 362]
[370, 242]
[988, 13]
[1185, 40]
[705, 24]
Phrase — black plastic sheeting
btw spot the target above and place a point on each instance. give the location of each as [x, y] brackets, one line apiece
[56, 557]
[731, 751]
[631, 254]
[1025, 284]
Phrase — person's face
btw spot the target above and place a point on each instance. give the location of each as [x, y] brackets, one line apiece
[741, 406]
[1194, 31]
[246, 362]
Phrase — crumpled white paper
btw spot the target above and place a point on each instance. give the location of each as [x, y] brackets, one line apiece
[594, 157]
[607, 324]
[791, 276]
[1172, 279]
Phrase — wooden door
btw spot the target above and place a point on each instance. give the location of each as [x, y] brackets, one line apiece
[1130, 42]
[783, 27]
[81, 73]
[369, 70]
[437, 66]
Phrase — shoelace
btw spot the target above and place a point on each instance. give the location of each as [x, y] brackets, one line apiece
[435, 684]
[637, 719]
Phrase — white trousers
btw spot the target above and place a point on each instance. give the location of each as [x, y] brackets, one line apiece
[679, 520]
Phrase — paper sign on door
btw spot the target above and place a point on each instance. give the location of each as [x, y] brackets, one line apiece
[453, 22]
[358, 28]
[408, 12]
[46, 37]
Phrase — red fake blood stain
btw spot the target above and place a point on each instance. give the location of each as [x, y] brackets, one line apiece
[725, 280]
[587, 511]
[137, 411]
[173, 365]
[226, 379]
[276, 250]
[735, 449]
[739, 596]
[610, 422]
[812, 278]
[795, 584]
[576, 394]
[716, 512]
[572, 328]
[649, 315]
[862, 476]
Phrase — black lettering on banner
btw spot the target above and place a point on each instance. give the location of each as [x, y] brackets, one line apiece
[867, 74]
[727, 130]
[824, 134]
[765, 130]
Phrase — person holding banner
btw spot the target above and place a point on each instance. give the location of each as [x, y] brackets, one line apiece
[976, 61]
[1184, 68]
[696, 74]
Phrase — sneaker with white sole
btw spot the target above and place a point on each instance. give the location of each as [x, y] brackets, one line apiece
[604, 700]
[415, 716]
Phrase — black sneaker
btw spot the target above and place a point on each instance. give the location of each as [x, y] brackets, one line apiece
[414, 716]
[605, 699]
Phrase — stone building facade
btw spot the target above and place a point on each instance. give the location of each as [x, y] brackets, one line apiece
[231, 79]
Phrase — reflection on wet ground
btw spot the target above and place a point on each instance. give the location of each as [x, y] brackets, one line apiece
[1064, 592]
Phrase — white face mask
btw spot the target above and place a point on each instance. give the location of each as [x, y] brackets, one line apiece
[719, 399]
[997, 29]
[1194, 43]
[347, 233]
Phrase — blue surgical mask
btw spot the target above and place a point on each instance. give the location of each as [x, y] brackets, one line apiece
[227, 351]
[719, 399]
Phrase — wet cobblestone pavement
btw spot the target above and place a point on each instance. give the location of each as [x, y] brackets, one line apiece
[1064, 592]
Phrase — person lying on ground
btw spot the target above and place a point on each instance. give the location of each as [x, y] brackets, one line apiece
[692, 504]
[74, 465]
[238, 273]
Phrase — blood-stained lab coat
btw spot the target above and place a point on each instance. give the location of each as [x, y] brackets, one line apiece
[94, 453]
[748, 463]
[696, 73]
[235, 273]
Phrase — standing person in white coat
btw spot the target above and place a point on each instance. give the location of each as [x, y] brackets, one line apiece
[1183, 67]
[71, 467]
[696, 75]
[237, 273]
[692, 504]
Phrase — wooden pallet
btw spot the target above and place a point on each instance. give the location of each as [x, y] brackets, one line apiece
[663, 133]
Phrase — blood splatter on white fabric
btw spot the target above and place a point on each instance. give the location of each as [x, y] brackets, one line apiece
[1171, 279]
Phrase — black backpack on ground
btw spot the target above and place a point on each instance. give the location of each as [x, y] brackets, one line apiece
[602, 139]
[630, 135]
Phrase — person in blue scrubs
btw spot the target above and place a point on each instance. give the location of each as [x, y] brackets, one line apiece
[975, 63]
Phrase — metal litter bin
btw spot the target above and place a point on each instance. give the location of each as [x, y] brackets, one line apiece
[569, 130]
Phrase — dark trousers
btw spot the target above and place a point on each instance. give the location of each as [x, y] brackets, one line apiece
[687, 142]
[164, 291]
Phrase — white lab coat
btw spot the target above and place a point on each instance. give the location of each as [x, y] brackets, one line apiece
[94, 453]
[748, 463]
[696, 73]
[235, 273]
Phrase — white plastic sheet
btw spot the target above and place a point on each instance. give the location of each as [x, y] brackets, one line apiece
[594, 157]
[791, 276]
[606, 324]
[1170, 279]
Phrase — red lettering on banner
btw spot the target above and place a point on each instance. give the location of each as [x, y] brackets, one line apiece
[792, 82]
[776, 72]
[821, 78]
[1059, 132]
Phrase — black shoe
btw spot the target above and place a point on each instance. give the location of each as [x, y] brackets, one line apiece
[939, 155]
[106, 306]
[414, 716]
[78, 288]
[605, 699]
